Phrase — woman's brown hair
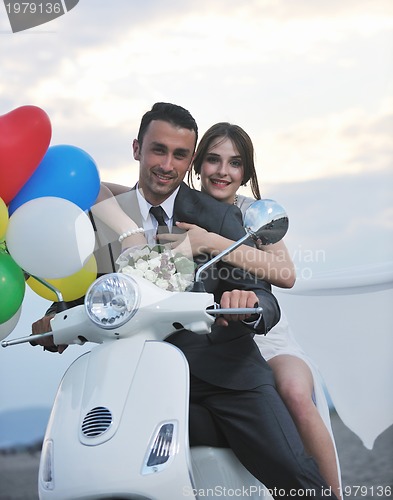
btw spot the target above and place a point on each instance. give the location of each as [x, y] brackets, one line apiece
[241, 140]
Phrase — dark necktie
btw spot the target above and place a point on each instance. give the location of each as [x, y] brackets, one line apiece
[159, 214]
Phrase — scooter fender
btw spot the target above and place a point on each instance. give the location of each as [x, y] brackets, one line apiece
[119, 425]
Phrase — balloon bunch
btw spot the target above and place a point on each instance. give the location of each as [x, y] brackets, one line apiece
[45, 232]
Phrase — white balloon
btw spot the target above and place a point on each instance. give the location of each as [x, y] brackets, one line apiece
[7, 327]
[50, 237]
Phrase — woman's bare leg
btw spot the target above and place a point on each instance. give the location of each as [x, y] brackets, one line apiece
[295, 384]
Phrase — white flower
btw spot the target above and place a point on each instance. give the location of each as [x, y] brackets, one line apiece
[131, 271]
[158, 265]
[142, 265]
[139, 253]
[177, 281]
[153, 254]
[161, 283]
[153, 263]
[150, 275]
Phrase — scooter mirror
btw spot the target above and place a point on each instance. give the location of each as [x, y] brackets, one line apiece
[267, 221]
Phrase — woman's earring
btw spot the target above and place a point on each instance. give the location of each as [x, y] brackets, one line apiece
[198, 177]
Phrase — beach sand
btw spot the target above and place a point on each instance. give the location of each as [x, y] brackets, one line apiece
[366, 474]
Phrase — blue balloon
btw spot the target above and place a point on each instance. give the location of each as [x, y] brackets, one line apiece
[65, 172]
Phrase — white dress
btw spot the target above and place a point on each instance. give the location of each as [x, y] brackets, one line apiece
[280, 340]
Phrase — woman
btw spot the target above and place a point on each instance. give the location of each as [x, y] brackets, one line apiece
[224, 161]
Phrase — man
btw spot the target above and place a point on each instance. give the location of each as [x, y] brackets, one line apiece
[230, 382]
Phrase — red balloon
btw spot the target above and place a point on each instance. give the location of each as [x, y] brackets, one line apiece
[25, 134]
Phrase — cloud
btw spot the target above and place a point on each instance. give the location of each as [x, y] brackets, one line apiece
[101, 43]
[349, 142]
[309, 81]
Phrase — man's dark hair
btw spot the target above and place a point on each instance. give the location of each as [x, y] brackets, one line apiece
[167, 112]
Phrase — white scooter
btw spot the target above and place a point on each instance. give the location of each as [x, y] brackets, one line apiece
[119, 423]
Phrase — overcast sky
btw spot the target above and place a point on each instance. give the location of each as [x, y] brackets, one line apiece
[311, 81]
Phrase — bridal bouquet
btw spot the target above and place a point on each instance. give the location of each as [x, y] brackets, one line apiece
[159, 264]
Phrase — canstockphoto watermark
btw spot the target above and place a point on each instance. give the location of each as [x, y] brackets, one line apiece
[223, 491]
[26, 15]
[251, 491]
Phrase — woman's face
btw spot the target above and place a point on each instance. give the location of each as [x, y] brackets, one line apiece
[222, 170]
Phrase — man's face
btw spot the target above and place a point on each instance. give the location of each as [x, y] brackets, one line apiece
[164, 158]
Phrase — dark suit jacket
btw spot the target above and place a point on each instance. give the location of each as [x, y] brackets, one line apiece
[228, 357]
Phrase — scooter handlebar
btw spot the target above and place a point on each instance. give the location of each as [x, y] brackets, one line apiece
[236, 310]
[217, 311]
[31, 338]
[22, 340]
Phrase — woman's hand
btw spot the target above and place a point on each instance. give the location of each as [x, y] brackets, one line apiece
[134, 240]
[197, 237]
[194, 242]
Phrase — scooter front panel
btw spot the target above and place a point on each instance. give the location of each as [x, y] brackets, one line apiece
[157, 394]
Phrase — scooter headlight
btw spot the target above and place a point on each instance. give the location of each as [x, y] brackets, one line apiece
[112, 300]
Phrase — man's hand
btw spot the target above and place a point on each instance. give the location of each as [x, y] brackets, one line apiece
[43, 326]
[236, 298]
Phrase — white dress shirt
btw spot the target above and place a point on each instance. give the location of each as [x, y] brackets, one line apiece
[149, 222]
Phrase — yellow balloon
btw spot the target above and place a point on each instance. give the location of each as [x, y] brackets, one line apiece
[3, 218]
[72, 287]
